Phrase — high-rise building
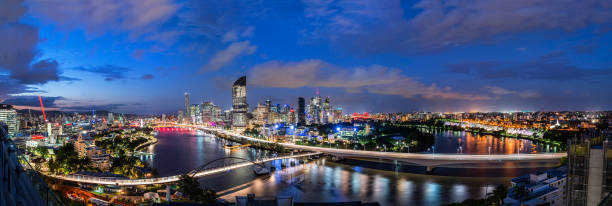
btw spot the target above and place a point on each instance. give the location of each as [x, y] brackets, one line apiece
[187, 105]
[9, 116]
[180, 117]
[195, 110]
[589, 170]
[240, 107]
[110, 118]
[301, 112]
[207, 111]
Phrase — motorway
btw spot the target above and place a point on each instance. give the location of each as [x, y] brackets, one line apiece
[424, 159]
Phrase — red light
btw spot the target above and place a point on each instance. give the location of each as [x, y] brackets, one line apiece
[42, 107]
[37, 137]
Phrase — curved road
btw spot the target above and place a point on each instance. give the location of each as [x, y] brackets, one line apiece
[417, 158]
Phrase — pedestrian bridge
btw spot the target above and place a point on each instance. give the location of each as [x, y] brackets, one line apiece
[200, 172]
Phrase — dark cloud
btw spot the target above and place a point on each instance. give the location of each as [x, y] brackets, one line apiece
[109, 72]
[10, 86]
[32, 101]
[547, 67]
[586, 48]
[147, 77]
[18, 48]
[383, 26]
[106, 107]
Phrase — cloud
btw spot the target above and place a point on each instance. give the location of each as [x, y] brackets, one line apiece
[147, 77]
[382, 26]
[32, 101]
[373, 79]
[522, 94]
[110, 72]
[227, 55]
[98, 17]
[18, 48]
[9, 86]
[105, 107]
[230, 36]
[547, 67]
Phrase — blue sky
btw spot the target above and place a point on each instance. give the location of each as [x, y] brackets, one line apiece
[368, 56]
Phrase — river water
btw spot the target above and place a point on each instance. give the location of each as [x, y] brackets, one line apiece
[181, 150]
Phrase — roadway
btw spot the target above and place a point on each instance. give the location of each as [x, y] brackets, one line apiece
[429, 160]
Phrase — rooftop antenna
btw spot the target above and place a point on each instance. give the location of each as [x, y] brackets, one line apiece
[317, 91]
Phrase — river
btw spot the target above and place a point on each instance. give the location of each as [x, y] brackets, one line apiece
[181, 150]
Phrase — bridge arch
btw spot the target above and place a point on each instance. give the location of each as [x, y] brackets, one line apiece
[201, 168]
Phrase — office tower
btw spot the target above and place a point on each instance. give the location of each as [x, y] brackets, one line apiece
[187, 105]
[163, 118]
[217, 114]
[110, 118]
[239, 104]
[207, 111]
[180, 117]
[301, 119]
[9, 116]
[195, 110]
[589, 170]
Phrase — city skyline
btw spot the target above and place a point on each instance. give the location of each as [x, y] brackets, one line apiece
[396, 56]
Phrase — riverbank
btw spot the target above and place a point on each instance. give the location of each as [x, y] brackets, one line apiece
[253, 144]
[484, 132]
[148, 143]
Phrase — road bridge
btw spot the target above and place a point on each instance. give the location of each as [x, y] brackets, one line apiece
[429, 160]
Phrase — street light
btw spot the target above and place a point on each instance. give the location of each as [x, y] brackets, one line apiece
[433, 150]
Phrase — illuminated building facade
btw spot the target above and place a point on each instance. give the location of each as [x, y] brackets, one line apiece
[589, 170]
[9, 117]
[240, 107]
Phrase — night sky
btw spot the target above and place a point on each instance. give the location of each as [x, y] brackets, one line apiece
[369, 56]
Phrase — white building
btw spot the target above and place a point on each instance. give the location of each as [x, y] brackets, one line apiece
[541, 187]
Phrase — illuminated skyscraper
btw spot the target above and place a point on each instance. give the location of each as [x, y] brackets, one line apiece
[239, 104]
[9, 117]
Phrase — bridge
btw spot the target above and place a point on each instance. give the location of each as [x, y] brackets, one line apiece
[197, 173]
[429, 160]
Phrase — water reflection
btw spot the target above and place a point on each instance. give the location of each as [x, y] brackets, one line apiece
[180, 151]
[447, 141]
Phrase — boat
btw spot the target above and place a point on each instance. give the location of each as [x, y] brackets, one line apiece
[261, 171]
[200, 133]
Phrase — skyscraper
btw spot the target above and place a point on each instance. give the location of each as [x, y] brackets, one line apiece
[301, 119]
[239, 104]
[589, 168]
[9, 116]
[187, 105]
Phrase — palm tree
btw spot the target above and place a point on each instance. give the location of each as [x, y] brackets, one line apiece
[499, 193]
[521, 192]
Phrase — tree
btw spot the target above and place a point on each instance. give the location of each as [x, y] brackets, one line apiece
[520, 192]
[499, 193]
[42, 151]
[190, 187]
